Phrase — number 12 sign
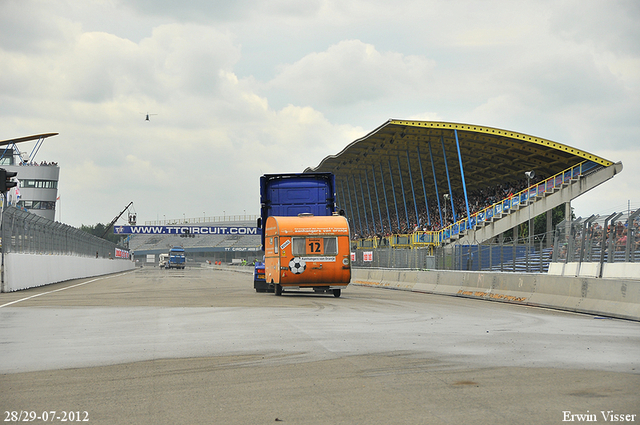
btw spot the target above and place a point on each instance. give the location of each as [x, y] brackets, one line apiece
[315, 246]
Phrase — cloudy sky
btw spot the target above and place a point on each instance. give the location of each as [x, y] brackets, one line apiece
[247, 87]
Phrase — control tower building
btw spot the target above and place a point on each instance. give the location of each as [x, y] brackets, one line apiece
[37, 190]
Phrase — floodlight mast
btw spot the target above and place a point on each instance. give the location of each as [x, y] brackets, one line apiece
[446, 198]
[530, 175]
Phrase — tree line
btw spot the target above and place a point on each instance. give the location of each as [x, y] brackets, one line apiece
[99, 229]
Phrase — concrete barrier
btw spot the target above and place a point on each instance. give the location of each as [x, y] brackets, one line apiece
[556, 269]
[611, 296]
[571, 269]
[398, 279]
[592, 269]
[607, 297]
[564, 293]
[621, 270]
[23, 271]
[589, 270]
[371, 277]
[446, 284]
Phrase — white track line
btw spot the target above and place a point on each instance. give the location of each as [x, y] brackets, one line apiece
[62, 289]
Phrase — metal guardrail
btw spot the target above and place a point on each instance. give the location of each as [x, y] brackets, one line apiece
[23, 232]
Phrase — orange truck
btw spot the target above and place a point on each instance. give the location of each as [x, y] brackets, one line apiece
[307, 252]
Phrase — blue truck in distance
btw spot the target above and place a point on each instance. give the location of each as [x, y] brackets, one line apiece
[177, 258]
[291, 195]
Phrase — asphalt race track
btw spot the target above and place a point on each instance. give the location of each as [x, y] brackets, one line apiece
[201, 346]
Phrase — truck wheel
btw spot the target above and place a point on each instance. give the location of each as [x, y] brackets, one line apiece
[278, 290]
[336, 293]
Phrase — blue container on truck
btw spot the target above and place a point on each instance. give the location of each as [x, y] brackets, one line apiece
[176, 258]
[291, 195]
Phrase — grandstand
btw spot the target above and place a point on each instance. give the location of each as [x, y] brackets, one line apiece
[429, 183]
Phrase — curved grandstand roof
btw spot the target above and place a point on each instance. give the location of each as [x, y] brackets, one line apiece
[27, 138]
[490, 156]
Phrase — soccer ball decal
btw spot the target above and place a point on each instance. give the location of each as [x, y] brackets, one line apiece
[297, 265]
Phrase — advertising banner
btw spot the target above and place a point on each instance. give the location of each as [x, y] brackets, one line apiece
[184, 230]
[121, 253]
[480, 216]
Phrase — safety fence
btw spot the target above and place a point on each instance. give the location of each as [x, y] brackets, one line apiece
[611, 239]
[518, 256]
[27, 233]
[390, 257]
[595, 240]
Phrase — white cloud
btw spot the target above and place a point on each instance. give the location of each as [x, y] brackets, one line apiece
[33, 27]
[245, 88]
[350, 73]
[603, 25]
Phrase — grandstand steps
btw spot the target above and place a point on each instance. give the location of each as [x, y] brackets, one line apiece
[561, 194]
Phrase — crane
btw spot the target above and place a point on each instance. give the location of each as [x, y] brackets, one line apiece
[106, 230]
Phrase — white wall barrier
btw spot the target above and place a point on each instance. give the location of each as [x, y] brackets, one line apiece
[609, 270]
[23, 271]
[608, 297]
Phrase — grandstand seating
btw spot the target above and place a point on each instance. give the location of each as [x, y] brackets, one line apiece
[531, 202]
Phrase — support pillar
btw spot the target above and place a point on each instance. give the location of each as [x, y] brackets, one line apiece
[567, 220]
[549, 238]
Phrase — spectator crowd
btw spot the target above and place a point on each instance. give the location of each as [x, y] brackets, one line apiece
[35, 164]
[430, 221]
[616, 237]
